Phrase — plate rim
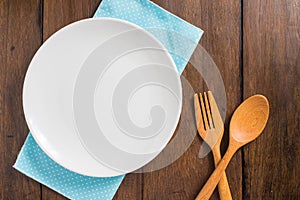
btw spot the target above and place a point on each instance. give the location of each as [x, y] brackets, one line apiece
[36, 56]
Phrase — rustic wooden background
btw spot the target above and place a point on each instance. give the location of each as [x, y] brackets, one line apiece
[255, 44]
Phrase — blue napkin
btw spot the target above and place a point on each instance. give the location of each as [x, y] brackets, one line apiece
[33, 162]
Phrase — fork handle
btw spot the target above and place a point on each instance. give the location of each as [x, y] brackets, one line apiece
[214, 178]
[223, 186]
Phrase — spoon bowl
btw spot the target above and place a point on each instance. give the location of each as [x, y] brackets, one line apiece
[249, 120]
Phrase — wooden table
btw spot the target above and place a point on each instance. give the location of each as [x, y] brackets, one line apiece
[255, 44]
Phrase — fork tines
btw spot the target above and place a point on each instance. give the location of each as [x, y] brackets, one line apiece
[204, 107]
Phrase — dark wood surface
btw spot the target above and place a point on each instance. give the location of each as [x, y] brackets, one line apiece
[255, 44]
[271, 66]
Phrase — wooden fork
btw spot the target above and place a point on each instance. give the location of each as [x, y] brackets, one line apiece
[211, 128]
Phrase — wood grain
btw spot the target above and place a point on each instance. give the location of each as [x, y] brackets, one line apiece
[221, 22]
[247, 123]
[19, 39]
[255, 44]
[271, 67]
[211, 131]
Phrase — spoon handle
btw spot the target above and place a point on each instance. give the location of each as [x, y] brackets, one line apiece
[223, 186]
[214, 179]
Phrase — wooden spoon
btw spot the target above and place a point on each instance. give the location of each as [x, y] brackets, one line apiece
[247, 123]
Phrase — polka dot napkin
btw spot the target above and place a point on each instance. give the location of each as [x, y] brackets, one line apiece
[33, 162]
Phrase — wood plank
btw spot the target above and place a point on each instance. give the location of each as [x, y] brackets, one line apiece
[221, 21]
[272, 67]
[58, 14]
[131, 187]
[19, 39]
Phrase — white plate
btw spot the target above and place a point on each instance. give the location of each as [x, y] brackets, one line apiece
[102, 97]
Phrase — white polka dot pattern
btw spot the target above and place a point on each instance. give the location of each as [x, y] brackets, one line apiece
[33, 162]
